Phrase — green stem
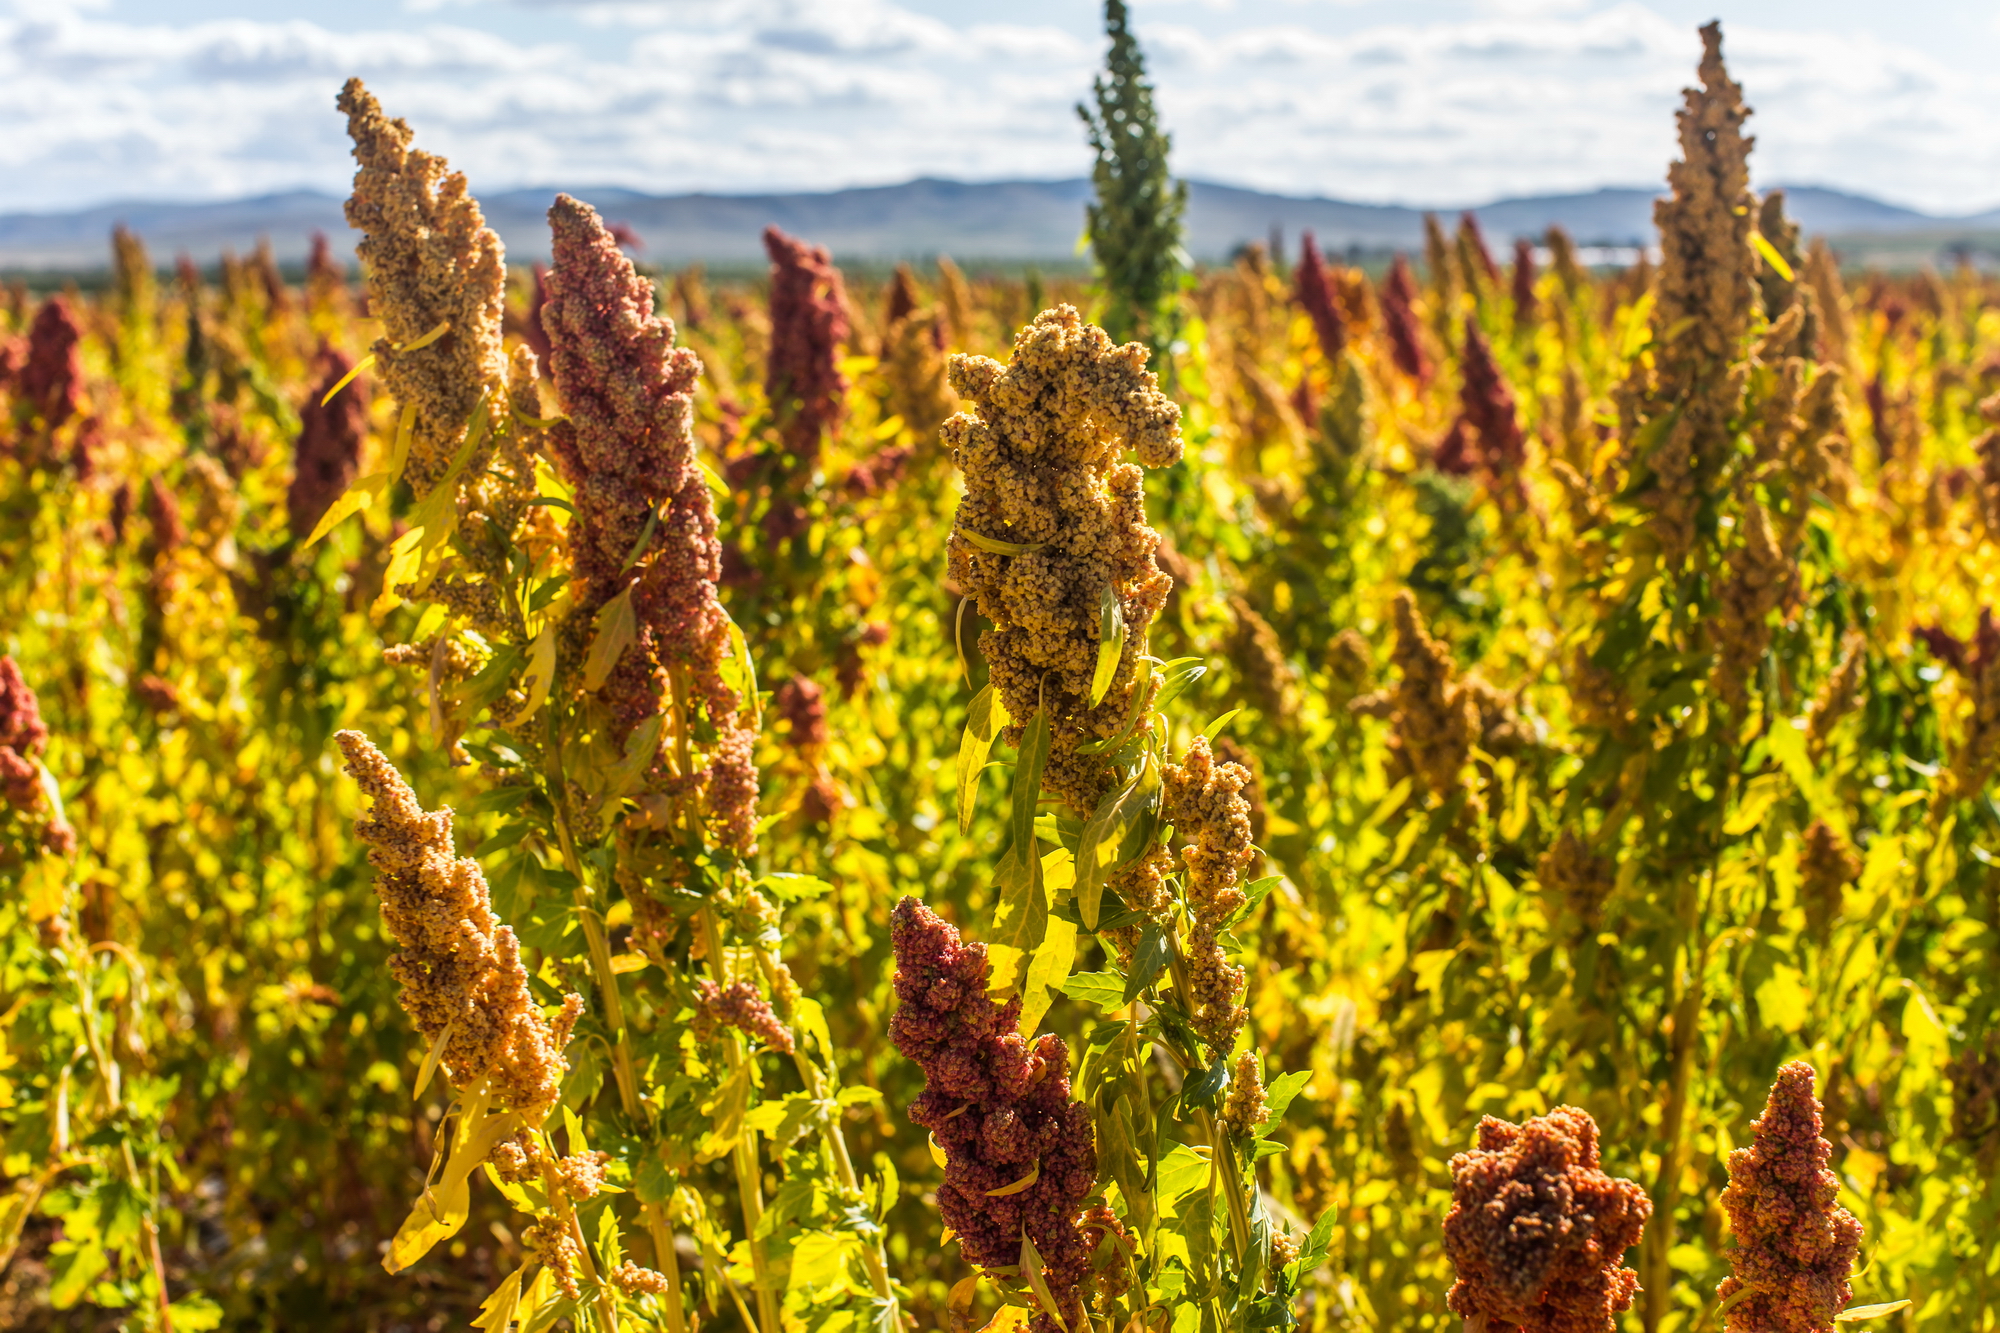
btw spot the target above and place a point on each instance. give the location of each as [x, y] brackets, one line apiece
[623, 1069]
[749, 1181]
[836, 1145]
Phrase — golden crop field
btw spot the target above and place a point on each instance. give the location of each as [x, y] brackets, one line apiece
[593, 799]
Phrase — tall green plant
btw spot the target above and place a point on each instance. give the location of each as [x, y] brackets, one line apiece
[1136, 219]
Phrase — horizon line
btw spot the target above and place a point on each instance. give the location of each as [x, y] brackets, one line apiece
[1659, 191]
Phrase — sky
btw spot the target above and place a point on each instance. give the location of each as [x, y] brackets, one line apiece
[1430, 102]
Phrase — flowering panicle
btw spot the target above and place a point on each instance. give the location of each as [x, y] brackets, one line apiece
[326, 281]
[1524, 282]
[327, 454]
[1975, 1096]
[1259, 658]
[1433, 717]
[1478, 272]
[1489, 414]
[742, 1006]
[1441, 267]
[1759, 579]
[23, 735]
[1314, 294]
[957, 300]
[1244, 1109]
[1538, 1232]
[431, 259]
[1052, 523]
[1702, 304]
[1794, 1246]
[1826, 867]
[1399, 321]
[460, 969]
[627, 446]
[809, 321]
[1579, 877]
[914, 366]
[999, 1106]
[1837, 696]
[1978, 665]
[1204, 802]
[50, 382]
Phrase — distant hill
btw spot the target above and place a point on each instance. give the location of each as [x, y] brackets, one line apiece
[1017, 221]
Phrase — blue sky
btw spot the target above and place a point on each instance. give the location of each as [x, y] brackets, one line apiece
[1434, 102]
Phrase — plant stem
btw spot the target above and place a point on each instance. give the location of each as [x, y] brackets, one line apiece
[836, 1145]
[614, 1016]
[749, 1182]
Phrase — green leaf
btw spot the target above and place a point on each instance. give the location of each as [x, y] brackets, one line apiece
[617, 629]
[1147, 959]
[1049, 968]
[1313, 1253]
[1023, 914]
[1182, 1171]
[1106, 990]
[1104, 832]
[819, 1259]
[353, 500]
[1214, 729]
[1279, 1096]
[791, 888]
[983, 720]
[1176, 677]
[1031, 1268]
[1110, 643]
[1205, 1088]
[1256, 893]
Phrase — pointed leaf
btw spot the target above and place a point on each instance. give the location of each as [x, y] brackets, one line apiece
[995, 546]
[617, 629]
[541, 673]
[1110, 644]
[1031, 1268]
[353, 500]
[983, 720]
[1049, 968]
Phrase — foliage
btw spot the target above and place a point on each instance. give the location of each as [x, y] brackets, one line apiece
[1565, 697]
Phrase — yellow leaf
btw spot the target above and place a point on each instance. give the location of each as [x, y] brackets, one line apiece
[937, 1154]
[541, 671]
[431, 1058]
[995, 546]
[352, 501]
[1003, 970]
[983, 720]
[1771, 256]
[617, 628]
[1015, 1187]
[348, 378]
[725, 1113]
[399, 452]
[406, 556]
[417, 344]
[628, 962]
[443, 1208]
[1854, 1312]
[1031, 1267]
[496, 1312]
[1047, 970]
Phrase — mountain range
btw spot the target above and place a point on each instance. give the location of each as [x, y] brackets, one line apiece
[1001, 221]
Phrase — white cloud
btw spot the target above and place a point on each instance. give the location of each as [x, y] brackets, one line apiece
[1530, 97]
